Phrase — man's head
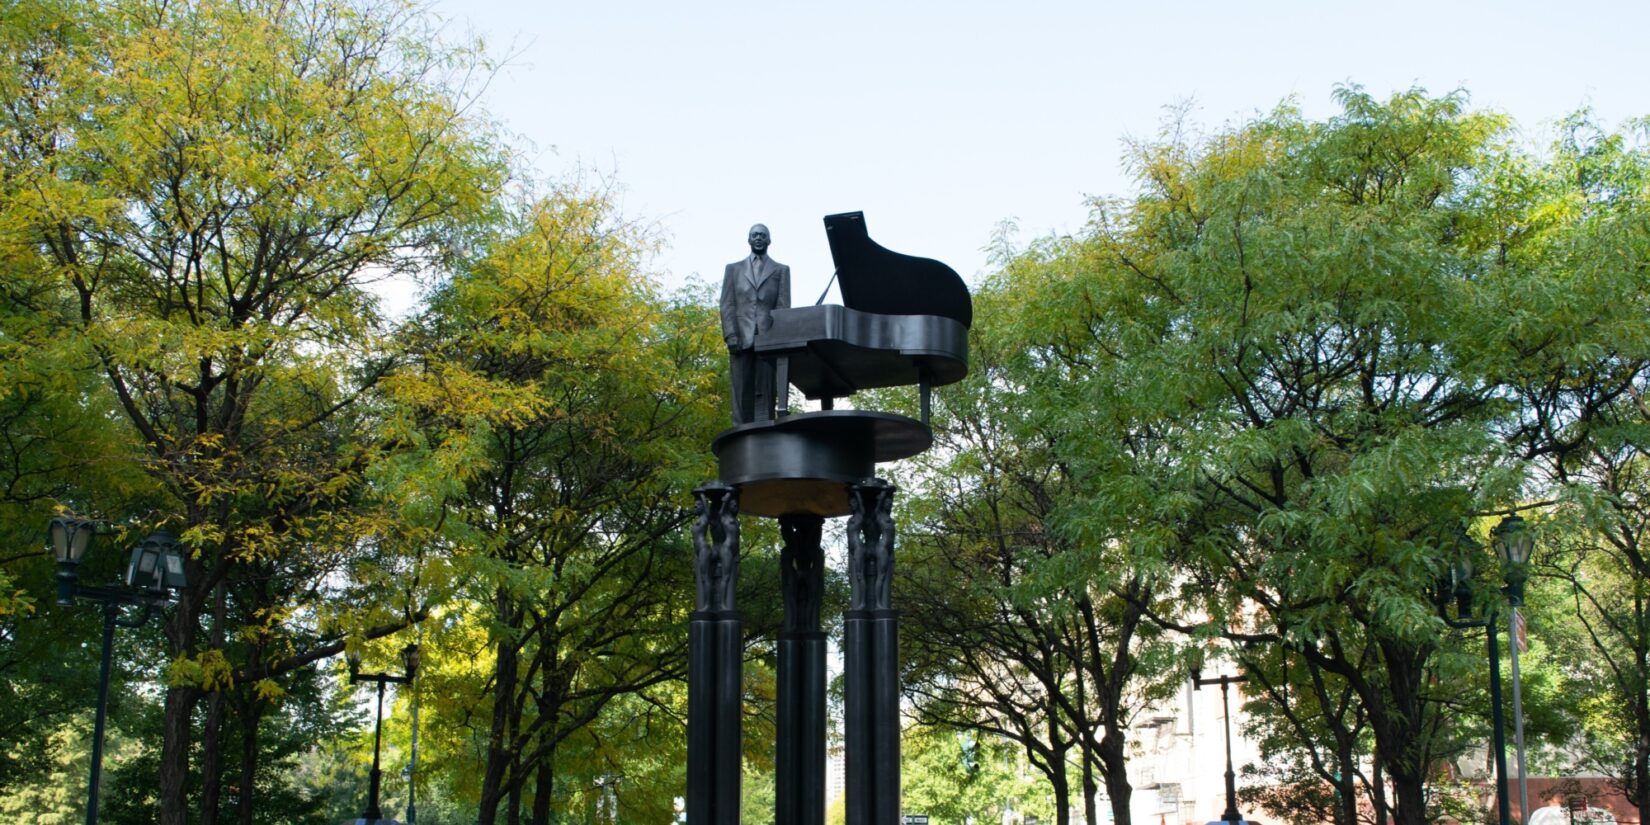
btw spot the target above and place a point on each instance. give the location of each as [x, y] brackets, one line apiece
[759, 239]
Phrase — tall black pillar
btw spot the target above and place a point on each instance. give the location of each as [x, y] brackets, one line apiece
[715, 662]
[799, 782]
[871, 660]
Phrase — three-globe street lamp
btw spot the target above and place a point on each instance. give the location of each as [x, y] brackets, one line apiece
[1459, 585]
[1231, 814]
[1513, 542]
[409, 660]
[153, 573]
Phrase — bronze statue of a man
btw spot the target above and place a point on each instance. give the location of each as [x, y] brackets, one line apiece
[752, 288]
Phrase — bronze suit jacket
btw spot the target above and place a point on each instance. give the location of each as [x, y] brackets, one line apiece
[749, 298]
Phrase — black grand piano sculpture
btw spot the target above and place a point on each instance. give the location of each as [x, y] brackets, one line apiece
[905, 322]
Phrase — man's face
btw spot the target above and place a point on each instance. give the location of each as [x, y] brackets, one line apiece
[759, 239]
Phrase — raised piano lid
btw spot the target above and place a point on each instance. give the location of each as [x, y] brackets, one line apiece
[877, 280]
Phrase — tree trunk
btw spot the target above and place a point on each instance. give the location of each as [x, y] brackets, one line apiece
[1114, 768]
[1638, 776]
[252, 717]
[1082, 725]
[498, 744]
[1090, 812]
[1346, 785]
[544, 789]
[1395, 716]
[212, 758]
[1062, 796]
[1407, 775]
[1377, 794]
[1057, 776]
[518, 703]
[174, 754]
[548, 707]
[512, 807]
[179, 715]
[212, 736]
[1412, 801]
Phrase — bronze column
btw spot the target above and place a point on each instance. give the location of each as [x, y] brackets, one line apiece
[799, 783]
[871, 660]
[715, 662]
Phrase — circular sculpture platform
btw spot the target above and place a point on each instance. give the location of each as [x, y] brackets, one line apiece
[803, 463]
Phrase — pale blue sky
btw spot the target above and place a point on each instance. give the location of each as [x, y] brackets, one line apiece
[940, 120]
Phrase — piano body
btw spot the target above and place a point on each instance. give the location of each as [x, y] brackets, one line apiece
[904, 320]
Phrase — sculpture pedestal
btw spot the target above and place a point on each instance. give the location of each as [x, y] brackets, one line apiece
[870, 651]
[799, 780]
[805, 463]
[715, 717]
[801, 469]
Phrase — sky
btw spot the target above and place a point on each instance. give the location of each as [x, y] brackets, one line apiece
[942, 120]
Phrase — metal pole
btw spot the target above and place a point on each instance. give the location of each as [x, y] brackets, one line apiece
[799, 758]
[1231, 814]
[1499, 723]
[715, 663]
[1518, 723]
[373, 814]
[412, 762]
[110, 610]
[870, 641]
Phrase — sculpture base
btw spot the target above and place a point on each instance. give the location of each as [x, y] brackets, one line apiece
[803, 463]
[715, 717]
[871, 720]
[799, 763]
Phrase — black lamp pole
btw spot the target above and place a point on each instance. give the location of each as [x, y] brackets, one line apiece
[409, 656]
[1461, 576]
[111, 616]
[156, 569]
[1513, 543]
[412, 766]
[1231, 814]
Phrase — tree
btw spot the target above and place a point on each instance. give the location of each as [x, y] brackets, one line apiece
[561, 411]
[1280, 315]
[58, 443]
[1026, 625]
[212, 186]
[1577, 370]
[1313, 734]
[957, 776]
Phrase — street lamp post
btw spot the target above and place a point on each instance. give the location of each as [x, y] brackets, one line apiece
[1513, 543]
[1231, 813]
[154, 571]
[412, 762]
[1459, 585]
[409, 659]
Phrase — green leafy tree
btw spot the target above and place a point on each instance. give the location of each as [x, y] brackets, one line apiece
[59, 444]
[1570, 326]
[211, 187]
[1314, 734]
[1026, 625]
[561, 411]
[1278, 319]
[958, 777]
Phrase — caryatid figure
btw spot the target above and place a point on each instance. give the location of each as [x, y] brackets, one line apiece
[870, 545]
[716, 548]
